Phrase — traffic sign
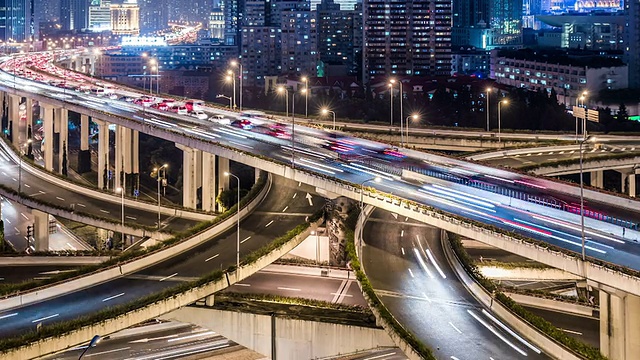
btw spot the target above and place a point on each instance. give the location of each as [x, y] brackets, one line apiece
[579, 112]
[593, 115]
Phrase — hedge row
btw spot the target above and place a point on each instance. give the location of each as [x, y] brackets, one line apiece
[62, 328]
[12, 289]
[418, 346]
[539, 323]
[294, 301]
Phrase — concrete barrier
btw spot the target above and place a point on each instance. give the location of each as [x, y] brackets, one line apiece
[105, 275]
[295, 339]
[51, 260]
[548, 345]
[522, 151]
[154, 310]
[524, 273]
[97, 194]
[87, 220]
[588, 165]
[553, 305]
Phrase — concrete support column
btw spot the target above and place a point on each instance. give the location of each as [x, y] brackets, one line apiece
[63, 142]
[209, 300]
[84, 156]
[14, 119]
[222, 181]
[619, 330]
[632, 184]
[208, 182]
[103, 154]
[257, 174]
[3, 99]
[189, 170]
[597, 179]
[120, 160]
[127, 158]
[48, 135]
[41, 230]
[29, 121]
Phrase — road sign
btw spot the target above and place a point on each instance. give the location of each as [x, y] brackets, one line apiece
[136, 192]
[579, 112]
[593, 115]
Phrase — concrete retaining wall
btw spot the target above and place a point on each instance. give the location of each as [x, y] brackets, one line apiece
[549, 346]
[103, 224]
[132, 266]
[97, 194]
[524, 273]
[82, 335]
[51, 260]
[553, 305]
[587, 166]
[295, 339]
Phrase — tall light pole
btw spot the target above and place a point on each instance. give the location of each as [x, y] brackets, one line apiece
[306, 96]
[232, 78]
[94, 341]
[238, 221]
[121, 191]
[391, 83]
[414, 117]
[326, 111]
[487, 107]
[584, 120]
[152, 62]
[226, 97]
[499, 124]
[391, 105]
[282, 89]
[582, 201]
[239, 65]
[376, 179]
[157, 170]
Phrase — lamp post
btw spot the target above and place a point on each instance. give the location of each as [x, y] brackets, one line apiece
[230, 77]
[413, 117]
[326, 111]
[238, 221]
[582, 200]
[376, 179]
[391, 105]
[20, 170]
[157, 170]
[499, 124]
[153, 66]
[121, 191]
[94, 341]
[487, 107]
[282, 89]
[584, 120]
[391, 83]
[239, 65]
[306, 97]
[226, 97]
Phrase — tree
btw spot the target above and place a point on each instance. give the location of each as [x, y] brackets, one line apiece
[228, 198]
[623, 115]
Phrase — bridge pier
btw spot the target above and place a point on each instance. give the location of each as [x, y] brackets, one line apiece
[47, 115]
[628, 181]
[201, 170]
[63, 140]
[127, 158]
[84, 156]
[103, 154]
[14, 119]
[29, 120]
[619, 329]
[597, 179]
[41, 230]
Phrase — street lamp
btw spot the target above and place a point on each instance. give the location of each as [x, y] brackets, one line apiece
[282, 89]
[231, 78]
[94, 341]
[120, 190]
[326, 111]
[152, 62]
[226, 97]
[238, 221]
[414, 117]
[487, 107]
[376, 179]
[239, 64]
[499, 124]
[317, 234]
[582, 198]
[391, 105]
[306, 97]
[401, 108]
[157, 170]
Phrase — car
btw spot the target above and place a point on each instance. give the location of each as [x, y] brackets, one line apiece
[180, 110]
[220, 119]
[193, 105]
[243, 124]
[199, 114]
[113, 96]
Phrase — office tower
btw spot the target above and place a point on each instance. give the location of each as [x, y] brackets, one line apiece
[632, 41]
[192, 11]
[47, 10]
[298, 36]
[406, 38]
[233, 19]
[506, 22]
[100, 15]
[17, 22]
[216, 24]
[339, 33]
[154, 15]
[125, 18]
[74, 14]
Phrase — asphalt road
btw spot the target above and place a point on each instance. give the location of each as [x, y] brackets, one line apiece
[425, 295]
[16, 274]
[269, 222]
[586, 329]
[164, 341]
[540, 157]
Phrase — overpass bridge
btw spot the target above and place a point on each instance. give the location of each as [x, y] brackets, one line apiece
[464, 210]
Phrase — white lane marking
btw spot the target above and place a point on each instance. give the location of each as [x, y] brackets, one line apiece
[104, 211]
[422, 263]
[426, 297]
[24, 216]
[411, 273]
[7, 220]
[294, 195]
[402, 233]
[131, 218]
[107, 352]
[168, 277]
[270, 222]
[80, 204]
[402, 249]
[59, 198]
[112, 297]
[453, 326]
[505, 328]
[454, 358]
[41, 192]
[496, 333]
[27, 185]
[44, 318]
[72, 247]
[192, 336]
[211, 258]
[299, 183]
[380, 356]
[433, 261]
[146, 340]
[285, 208]
[571, 332]
[238, 284]
[288, 288]
[7, 316]
[248, 237]
[339, 294]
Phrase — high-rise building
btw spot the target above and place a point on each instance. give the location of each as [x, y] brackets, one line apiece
[154, 15]
[17, 21]
[100, 15]
[632, 41]
[339, 34]
[216, 24]
[47, 10]
[407, 38]
[233, 19]
[506, 23]
[74, 14]
[298, 36]
[125, 18]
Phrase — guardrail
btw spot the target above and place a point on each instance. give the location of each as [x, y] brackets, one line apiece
[134, 265]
